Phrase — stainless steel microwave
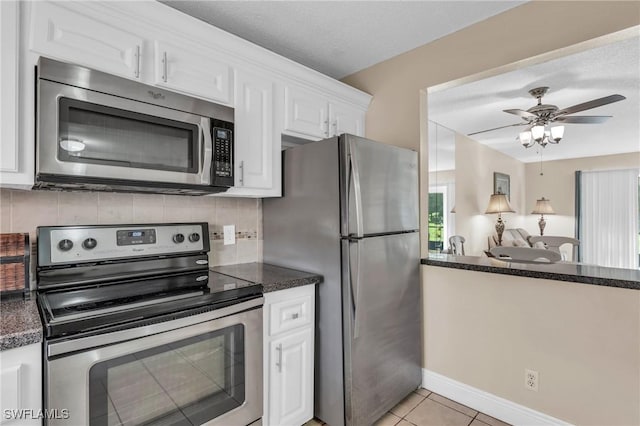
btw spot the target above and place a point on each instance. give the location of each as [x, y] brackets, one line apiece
[96, 131]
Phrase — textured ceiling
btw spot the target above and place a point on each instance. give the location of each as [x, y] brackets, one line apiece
[573, 79]
[339, 38]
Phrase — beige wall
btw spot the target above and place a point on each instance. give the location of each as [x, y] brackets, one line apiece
[558, 185]
[485, 329]
[475, 164]
[23, 211]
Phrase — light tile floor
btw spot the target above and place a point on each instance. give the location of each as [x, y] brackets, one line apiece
[425, 408]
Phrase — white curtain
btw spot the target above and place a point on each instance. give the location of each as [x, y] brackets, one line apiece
[609, 218]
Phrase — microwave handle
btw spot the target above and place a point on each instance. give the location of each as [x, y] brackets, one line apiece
[207, 149]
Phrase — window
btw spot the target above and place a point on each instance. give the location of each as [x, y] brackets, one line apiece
[437, 219]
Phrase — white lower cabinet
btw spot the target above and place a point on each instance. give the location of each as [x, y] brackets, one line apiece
[21, 386]
[289, 346]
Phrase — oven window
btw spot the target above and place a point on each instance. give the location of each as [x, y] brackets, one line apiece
[97, 134]
[188, 382]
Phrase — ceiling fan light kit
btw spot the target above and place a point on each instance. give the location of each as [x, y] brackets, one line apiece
[539, 134]
[540, 116]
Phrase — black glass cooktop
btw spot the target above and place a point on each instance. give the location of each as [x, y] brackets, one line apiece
[103, 306]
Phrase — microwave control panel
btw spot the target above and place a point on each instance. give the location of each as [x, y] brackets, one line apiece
[222, 173]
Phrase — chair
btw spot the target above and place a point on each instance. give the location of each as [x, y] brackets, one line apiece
[456, 245]
[525, 254]
[553, 243]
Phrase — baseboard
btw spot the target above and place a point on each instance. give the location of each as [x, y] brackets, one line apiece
[485, 402]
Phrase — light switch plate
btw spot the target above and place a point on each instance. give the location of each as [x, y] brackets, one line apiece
[229, 234]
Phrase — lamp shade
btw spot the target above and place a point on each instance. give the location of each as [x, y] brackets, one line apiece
[537, 133]
[498, 203]
[543, 206]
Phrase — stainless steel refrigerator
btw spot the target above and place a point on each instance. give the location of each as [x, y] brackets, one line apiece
[349, 211]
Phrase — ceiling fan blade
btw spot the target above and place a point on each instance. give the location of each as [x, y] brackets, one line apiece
[584, 119]
[497, 128]
[591, 104]
[520, 112]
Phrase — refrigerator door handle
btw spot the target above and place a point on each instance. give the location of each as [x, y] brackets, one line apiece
[357, 194]
[355, 289]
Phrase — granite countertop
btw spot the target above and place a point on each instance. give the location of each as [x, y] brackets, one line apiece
[271, 277]
[561, 271]
[19, 323]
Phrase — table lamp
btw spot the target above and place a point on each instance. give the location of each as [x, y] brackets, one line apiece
[498, 203]
[543, 206]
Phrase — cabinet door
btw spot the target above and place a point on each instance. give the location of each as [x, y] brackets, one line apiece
[60, 33]
[21, 384]
[306, 113]
[291, 378]
[346, 119]
[254, 136]
[193, 72]
[9, 86]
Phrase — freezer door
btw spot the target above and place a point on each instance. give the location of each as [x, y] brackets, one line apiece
[382, 324]
[379, 187]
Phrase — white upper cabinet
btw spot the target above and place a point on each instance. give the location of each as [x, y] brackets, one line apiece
[254, 135]
[9, 161]
[159, 46]
[315, 116]
[306, 113]
[192, 72]
[70, 36]
[346, 119]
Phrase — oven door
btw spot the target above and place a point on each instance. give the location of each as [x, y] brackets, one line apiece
[209, 372]
[94, 135]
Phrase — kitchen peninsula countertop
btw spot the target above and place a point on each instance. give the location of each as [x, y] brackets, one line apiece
[272, 278]
[561, 271]
[19, 323]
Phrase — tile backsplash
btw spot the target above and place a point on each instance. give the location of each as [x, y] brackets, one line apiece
[23, 211]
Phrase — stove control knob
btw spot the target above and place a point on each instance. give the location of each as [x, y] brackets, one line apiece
[89, 243]
[65, 245]
[194, 238]
[178, 238]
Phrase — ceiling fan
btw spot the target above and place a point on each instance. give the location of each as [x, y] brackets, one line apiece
[540, 115]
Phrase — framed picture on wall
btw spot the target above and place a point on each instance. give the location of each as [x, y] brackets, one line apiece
[502, 184]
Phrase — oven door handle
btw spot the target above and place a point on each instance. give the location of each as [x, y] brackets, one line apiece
[85, 343]
[207, 151]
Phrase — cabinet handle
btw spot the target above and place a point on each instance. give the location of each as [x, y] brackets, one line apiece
[326, 132]
[279, 363]
[137, 58]
[241, 167]
[335, 128]
[295, 316]
[164, 67]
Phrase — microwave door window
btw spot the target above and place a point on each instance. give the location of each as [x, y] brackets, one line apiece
[96, 134]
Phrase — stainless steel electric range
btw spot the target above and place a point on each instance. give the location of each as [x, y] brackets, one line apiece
[139, 331]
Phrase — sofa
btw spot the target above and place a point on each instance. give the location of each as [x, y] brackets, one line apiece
[517, 237]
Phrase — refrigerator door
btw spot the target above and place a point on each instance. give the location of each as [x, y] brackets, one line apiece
[379, 187]
[382, 332]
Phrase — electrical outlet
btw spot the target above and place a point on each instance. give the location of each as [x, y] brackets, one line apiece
[531, 380]
[229, 232]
